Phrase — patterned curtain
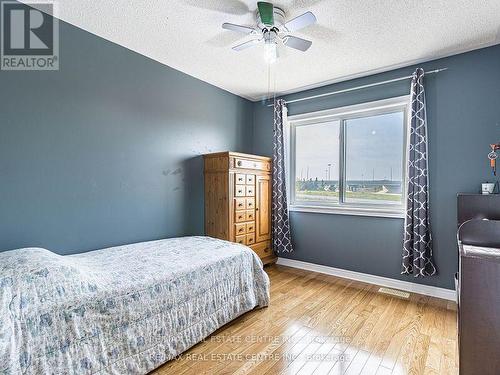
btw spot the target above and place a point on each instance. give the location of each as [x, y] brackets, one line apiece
[281, 237]
[417, 247]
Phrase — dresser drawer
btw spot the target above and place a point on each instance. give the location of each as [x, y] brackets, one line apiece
[239, 190]
[250, 203]
[251, 164]
[241, 239]
[240, 216]
[262, 249]
[250, 239]
[240, 179]
[240, 203]
[249, 215]
[239, 229]
[250, 191]
[250, 179]
[250, 228]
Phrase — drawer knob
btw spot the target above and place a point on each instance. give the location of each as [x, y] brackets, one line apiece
[239, 163]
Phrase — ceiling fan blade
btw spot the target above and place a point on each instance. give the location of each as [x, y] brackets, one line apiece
[237, 28]
[246, 45]
[297, 43]
[301, 21]
[266, 12]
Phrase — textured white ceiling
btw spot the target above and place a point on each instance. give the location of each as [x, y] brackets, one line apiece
[351, 38]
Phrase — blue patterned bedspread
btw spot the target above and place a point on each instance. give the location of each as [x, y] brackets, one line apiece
[121, 310]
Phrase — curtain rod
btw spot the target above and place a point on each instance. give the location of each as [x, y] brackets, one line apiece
[357, 87]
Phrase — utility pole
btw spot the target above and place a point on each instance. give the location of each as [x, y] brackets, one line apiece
[329, 166]
[373, 174]
[391, 174]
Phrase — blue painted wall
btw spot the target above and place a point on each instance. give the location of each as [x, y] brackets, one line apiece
[105, 151]
[464, 117]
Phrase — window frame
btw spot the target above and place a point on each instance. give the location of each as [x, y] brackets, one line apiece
[342, 114]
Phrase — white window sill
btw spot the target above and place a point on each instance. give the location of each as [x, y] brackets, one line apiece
[397, 213]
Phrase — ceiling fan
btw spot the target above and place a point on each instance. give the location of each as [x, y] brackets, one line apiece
[271, 28]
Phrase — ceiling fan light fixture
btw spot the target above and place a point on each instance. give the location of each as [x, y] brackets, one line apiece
[270, 46]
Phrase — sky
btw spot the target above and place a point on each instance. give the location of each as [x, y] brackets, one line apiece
[374, 145]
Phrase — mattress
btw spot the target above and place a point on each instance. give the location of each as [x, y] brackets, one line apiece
[121, 310]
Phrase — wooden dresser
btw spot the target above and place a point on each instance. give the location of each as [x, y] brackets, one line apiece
[238, 200]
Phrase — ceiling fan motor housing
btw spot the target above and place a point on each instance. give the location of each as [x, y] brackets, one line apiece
[270, 35]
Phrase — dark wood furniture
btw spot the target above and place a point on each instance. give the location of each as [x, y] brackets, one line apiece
[478, 286]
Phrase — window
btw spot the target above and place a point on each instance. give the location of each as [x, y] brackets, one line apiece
[317, 160]
[350, 160]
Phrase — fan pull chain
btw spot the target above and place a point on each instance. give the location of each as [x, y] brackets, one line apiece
[268, 80]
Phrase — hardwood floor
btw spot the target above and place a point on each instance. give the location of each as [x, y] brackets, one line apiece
[320, 324]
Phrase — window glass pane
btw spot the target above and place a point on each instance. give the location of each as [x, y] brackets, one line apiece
[317, 163]
[374, 159]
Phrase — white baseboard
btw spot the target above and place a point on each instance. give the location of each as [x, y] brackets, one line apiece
[433, 291]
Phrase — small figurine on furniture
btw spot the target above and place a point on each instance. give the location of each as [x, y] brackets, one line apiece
[489, 187]
[493, 157]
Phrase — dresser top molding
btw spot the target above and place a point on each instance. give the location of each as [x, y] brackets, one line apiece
[236, 154]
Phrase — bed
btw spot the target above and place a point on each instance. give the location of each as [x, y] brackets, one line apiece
[121, 310]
